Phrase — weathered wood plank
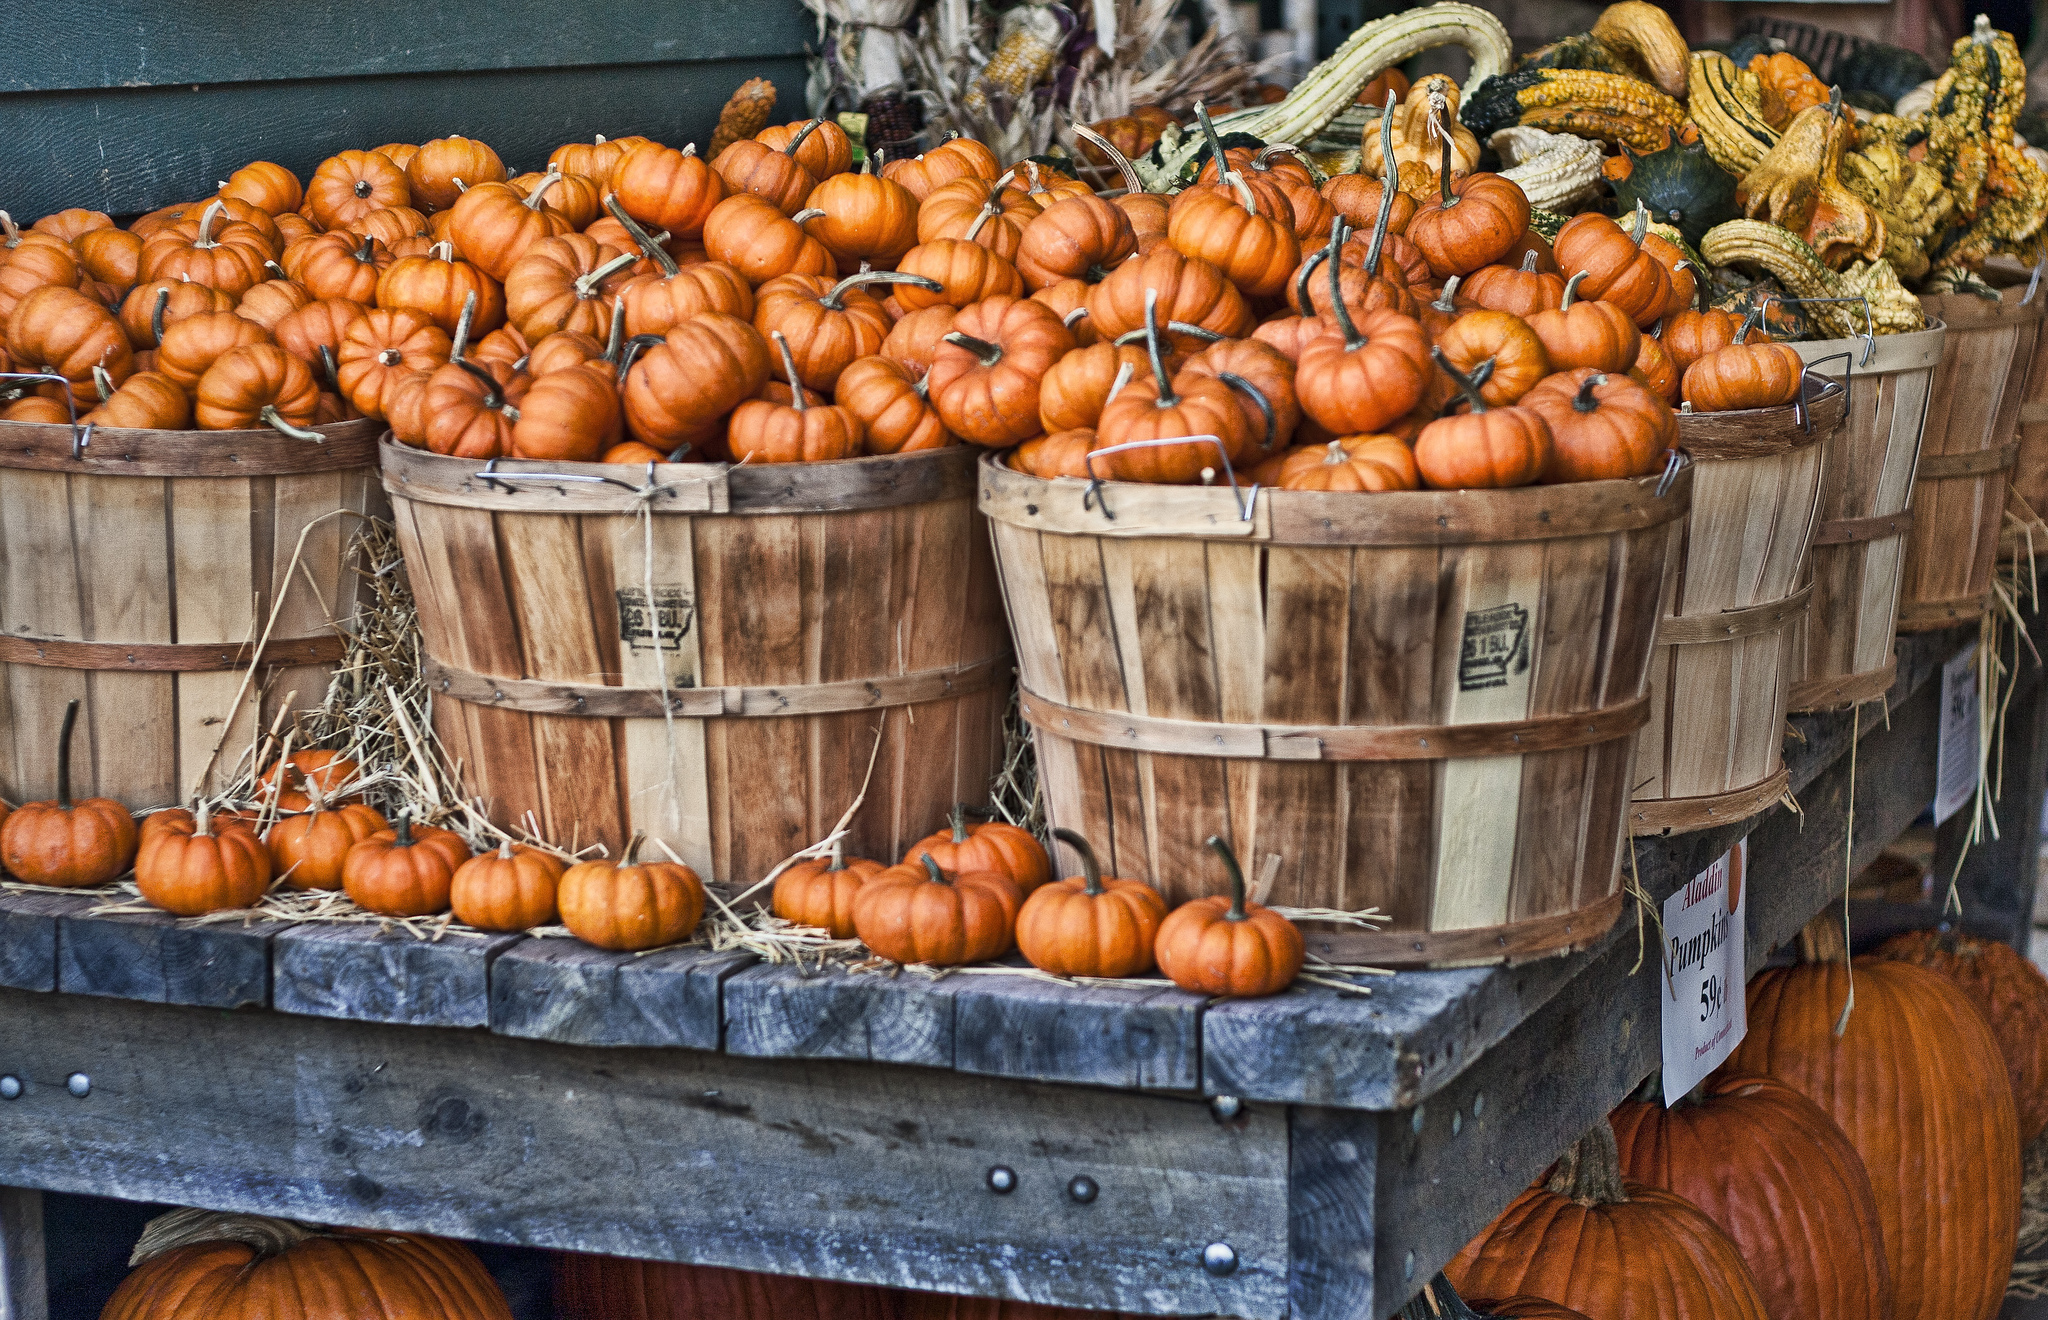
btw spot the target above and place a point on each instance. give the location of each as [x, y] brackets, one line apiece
[843, 1171]
[28, 937]
[1013, 1026]
[154, 957]
[780, 1012]
[564, 990]
[371, 974]
[24, 1287]
[1331, 1187]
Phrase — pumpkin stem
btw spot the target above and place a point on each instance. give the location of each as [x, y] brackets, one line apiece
[1387, 188]
[1132, 183]
[1467, 385]
[1529, 262]
[203, 818]
[1334, 455]
[1301, 279]
[547, 181]
[11, 230]
[1091, 869]
[632, 849]
[1258, 398]
[362, 188]
[808, 213]
[1222, 162]
[1585, 402]
[389, 357]
[802, 133]
[442, 251]
[462, 324]
[634, 347]
[494, 398]
[931, 866]
[1753, 319]
[1167, 398]
[617, 336]
[505, 850]
[1236, 877]
[1590, 1172]
[1571, 291]
[64, 755]
[1447, 198]
[330, 367]
[187, 1228]
[404, 829]
[1352, 339]
[102, 382]
[836, 298]
[958, 820]
[676, 455]
[992, 207]
[586, 284]
[796, 384]
[652, 250]
[1642, 223]
[214, 210]
[1446, 301]
[990, 354]
[838, 854]
[276, 422]
[1823, 940]
[156, 314]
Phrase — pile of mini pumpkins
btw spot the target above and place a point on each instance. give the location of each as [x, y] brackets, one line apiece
[636, 303]
[966, 894]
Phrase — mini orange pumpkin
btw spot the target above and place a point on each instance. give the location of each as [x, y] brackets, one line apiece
[1601, 426]
[64, 843]
[510, 889]
[1187, 427]
[1654, 371]
[1088, 925]
[750, 235]
[1475, 221]
[1077, 387]
[763, 431]
[405, 871]
[1081, 238]
[471, 407]
[1487, 448]
[828, 325]
[571, 415]
[1744, 376]
[681, 388]
[146, 401]
[1060, 454]
[989, 212]
[493, 225]
[988, 370]
[266, 186]
[664, 188]
[441, 169]
[440, 284]
[1227, 946]
[1371, 371]
[891, 405]
[914, 338]
[190, 865]
[819, 892]
[988, 845]
[628, 906]
[1263, 377]
[1351, 463]
[862, 217]
[958, 271]
[228, 255]
[307, 850]
[566, 283]
[1616, 268]
[921, 912]
[774, 175]
[819, 145]
[1522, 291]
[1577, 333]
[257, 385]
[351, 184]
[956, 158]
[1517, 354]
[59, 331]
[384, 347]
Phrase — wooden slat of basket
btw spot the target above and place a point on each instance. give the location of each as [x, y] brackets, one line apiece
[940, 571]
[1391, 680]
[119, 536]
[1306, 603]
[214, 526]
[310, 592]
[1237, 643]
[43, 594]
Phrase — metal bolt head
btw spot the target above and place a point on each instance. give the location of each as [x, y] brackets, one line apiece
[79, 1085]
[1408, 1267]
[1002, 1180]
[1083, 1189]
[1225, 1107]
[10, 1088]
[1220, 1259]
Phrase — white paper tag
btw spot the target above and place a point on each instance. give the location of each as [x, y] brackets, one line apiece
[1956, 763]
[1704, 1019]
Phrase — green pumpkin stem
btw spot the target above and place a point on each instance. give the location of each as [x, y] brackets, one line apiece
[1132, 183]
[1259, 401]
[617, 337]
[838, 855]
[1751, 321]
[494, 398]
[836, 298]
[988, 353]
[1236, 875]
[156, 314]
[1091, 869]
[1352, 339]
[1571, 290]
[1467, 385]
[632, 849]
[801, 134]
[1338, 234]
[1223, 170]
[404, 829]
[931, 866]
[654, 251]
[1529, 262]
[505, 849]
[64, 755]
[1167, 398]
[1447, 301]
[958, 820]
[1584, 401]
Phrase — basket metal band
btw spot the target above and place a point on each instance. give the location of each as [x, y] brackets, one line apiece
[600, 701]
[168, 658]
[1848, 531]
[1333, 742]
[1980, 463]
[1728, 625]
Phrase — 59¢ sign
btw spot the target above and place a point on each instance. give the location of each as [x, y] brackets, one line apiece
[1703, 1014]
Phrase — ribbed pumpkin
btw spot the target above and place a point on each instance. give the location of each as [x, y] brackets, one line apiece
[199, 1265]
[609, 1288]
[819, 891]
[2012, 995]
[1772, 1169]
[921, 912]
[1916, 1081]
[190, 865]
[891, 405]
[307, 850]
[629, 905]
[1585, 1239]
[509, 888]
[1090, 925]
[988, 845]
[64, 843]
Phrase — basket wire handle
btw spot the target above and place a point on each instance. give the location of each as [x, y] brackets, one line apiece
[496, 480]
[1869, 335]
[1093, 497]
[2034, 282]
[1807, 372]
[80, 436]
[1675, 462]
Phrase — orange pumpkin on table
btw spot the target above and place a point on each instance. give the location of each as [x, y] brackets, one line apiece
[308, 849]
[405, 871]
[986, 845]
[1228, 946]
[819, 892]
[921, 912]
[190, 865]
[629, 905]
[1089, 925]
[64, 843]
[510, 888]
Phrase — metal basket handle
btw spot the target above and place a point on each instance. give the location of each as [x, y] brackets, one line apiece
[1093, 497]
[80, 436]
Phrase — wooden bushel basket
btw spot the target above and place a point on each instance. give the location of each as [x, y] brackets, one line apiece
[137, 573]
[1424, 702]
[1966, 457]
[1727, 646]
[1859, 549]
[725, 693]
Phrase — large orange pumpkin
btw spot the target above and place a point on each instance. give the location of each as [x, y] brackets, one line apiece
[611, 1288]
[64, 843]
[1587, 1240]
[199, 1265]
[2012, 995]
[1916, 1081]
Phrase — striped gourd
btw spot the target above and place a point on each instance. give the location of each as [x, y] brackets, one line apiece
[1612, 107]
[1726, 103]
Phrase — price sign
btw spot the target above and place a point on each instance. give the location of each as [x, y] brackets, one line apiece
[1703, 972]
[1955, 776]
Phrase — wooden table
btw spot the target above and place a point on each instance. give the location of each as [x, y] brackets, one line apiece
[1317, 1155]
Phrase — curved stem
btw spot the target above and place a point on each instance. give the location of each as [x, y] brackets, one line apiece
[1447, 198]
[808, 213]
[632, 849]
[462, 324]
[796, 385]
[617, 336]
[1167, 398]
[10, 230]
[1584, 401]
[1231, 869]
[992, 207]
[1571, 291]
[1446, 302]
[990, 354]
[442, 251]
[834, 299]
[156, 315]
[1132, 183]
[1753, 319]
[1257, 396]
[1467, 385]
[64, 755]
[363, 251]
[494, 398]
[102, 382]
[547, 181]
[1273, 149]
[1642, 222]
[1529, 262]
[1223, 170]
[1301, 279]
[276, 270]
[214, 210]
[1073, 316]
[275, 420]
[586, 284]
[653, 251]
[634, 347]
[1352, 339]
[1244, 192]
[801, 134]
[1192, 331]
[331, 367]
[1091, 869]
[1390, 176]
[931, 866]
